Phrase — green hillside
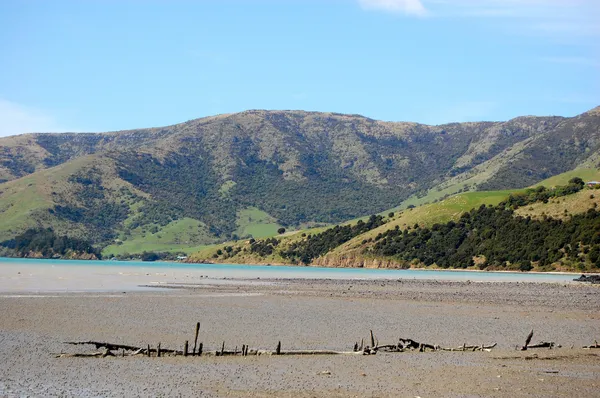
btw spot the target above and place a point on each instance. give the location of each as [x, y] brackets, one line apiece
[356, 249]
[252, 222]
[250, 173]
[185, 235]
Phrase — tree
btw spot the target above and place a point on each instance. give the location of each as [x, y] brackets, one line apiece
[577, 181]
[281, 231]
[150, 256]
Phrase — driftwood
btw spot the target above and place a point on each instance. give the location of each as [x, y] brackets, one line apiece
[411, 345]
[309, 352]
[108, 346]
[527, 341]
[595, 345]
[402, 345]
[541, 344]
[100, 354]
[465, 347]
[196, 338]
[133, 350]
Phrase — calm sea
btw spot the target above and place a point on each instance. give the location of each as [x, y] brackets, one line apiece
[269, 272]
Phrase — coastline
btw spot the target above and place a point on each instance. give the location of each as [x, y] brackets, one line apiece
[306, 314]
[74, 275]
[296, 266]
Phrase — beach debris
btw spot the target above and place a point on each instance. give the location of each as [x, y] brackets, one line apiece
[541, 344]
[544, 344]
[403, 344]
[595, 345]
[325, 373]
[593, 279]
[108, 346]
[527, 341]
[412, 345]
[196, 338]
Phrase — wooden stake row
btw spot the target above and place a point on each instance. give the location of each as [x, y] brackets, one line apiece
[197, 350]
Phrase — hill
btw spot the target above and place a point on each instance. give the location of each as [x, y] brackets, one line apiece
[545, 213]
[242, 175]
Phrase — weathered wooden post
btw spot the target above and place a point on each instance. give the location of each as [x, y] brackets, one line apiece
[196, 337]
[200, 349]
[372, 340]
[223, 349]
[148, 350]
[158, 350]
[278, 349]
[185, 349]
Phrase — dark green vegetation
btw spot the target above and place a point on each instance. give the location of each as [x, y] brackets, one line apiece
[316, 245]
[499, 239]
[486, 233]
[46, 243]
[194, 183]
[543, 194]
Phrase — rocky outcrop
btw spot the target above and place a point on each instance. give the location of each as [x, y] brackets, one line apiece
[356, 261]
[593, 279]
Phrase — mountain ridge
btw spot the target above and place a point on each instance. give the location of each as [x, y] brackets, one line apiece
[298, 167]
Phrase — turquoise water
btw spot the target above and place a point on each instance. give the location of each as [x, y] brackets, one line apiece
[266, 272]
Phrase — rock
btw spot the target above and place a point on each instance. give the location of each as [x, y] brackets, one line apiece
[593, 279]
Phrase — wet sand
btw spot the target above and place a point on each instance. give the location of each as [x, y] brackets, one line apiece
[305, 314]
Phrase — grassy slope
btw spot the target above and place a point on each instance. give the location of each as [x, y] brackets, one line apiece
[183, 235]
[563, 207]
[566, 205]
[586, 174]
[440, 212]
[256, 223]
[467, 181]
[22, 199]
[453, 207]
[189, 235]
[429, 214]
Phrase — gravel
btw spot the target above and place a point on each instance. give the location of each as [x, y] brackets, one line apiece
[307, 314]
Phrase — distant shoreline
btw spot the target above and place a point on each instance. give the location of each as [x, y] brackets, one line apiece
[150, 264]
[29, 275]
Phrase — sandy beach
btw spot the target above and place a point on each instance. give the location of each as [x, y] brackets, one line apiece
[302, 314]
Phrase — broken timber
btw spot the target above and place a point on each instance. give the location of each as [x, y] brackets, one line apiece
[541, 344]
[595, 345]
[403, 345]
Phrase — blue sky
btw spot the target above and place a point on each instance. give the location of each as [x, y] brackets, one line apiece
[101, 65]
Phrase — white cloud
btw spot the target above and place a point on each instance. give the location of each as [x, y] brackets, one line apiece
[559, 18]
[18, 119]
[409, 7]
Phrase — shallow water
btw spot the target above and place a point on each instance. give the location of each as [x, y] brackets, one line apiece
[296, 272]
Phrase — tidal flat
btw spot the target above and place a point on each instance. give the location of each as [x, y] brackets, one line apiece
[305, 314]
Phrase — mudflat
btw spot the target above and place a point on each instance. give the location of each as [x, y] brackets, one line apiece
[306, 314]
